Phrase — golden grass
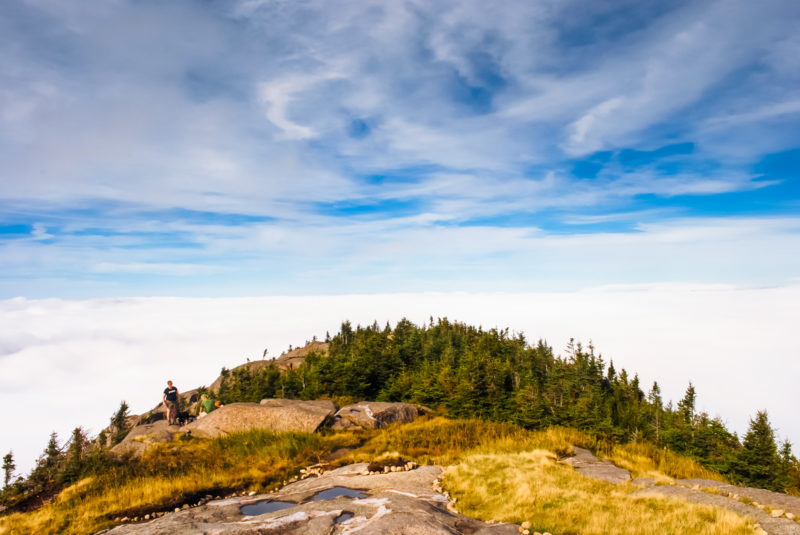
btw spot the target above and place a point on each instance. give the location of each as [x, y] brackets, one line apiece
[442, 441]
[169, 473]
[505, 473]
[646, 460]
[532, 486]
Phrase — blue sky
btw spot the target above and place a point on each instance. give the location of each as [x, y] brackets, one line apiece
[268, 147]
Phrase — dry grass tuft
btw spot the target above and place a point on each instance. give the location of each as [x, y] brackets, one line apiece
[532, 486]
[646, 460]
[442, 441]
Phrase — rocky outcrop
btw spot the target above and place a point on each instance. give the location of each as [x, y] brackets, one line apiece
[290, 360]
[145, 435]
[277, 415]
[397, 503]
[375, 414]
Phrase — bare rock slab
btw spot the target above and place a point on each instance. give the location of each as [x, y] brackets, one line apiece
[276, 415]
[585, 462]
[773, 526]
[775, 500]
[395, 503]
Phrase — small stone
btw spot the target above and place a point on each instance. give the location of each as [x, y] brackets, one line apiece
[177, 509]
[147, 517]
[136, 519]
[386, 469]
[526, 532]
[790, 516]
[125, 519]
[185, 506]
[546, 533]
[526, 525]
[777, 513]
[251, 493]
[365, 473]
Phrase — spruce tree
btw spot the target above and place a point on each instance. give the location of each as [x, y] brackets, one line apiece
[758, 463]
[8, 468]
[119, 424]
[52, 452]
[75, 455]
[686, 406]
[657, 407]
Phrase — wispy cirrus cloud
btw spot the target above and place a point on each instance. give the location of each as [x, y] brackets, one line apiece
[415, 117]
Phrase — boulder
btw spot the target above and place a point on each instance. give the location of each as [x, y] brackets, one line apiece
[145, 435]
[376, 414]
[272, 414]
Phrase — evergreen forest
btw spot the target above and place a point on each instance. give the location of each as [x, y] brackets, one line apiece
[496, 375]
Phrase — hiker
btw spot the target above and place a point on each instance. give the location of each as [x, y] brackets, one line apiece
[206, 406]
[171, 403]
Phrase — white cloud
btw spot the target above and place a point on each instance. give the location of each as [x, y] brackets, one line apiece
[184, 120]
[277, 95]
[69, 363]
[157, 268]
[420, 252]
[769, 111]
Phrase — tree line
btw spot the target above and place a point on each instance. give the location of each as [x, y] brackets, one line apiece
[500, 376]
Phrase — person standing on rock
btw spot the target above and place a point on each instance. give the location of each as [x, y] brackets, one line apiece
[171, 403]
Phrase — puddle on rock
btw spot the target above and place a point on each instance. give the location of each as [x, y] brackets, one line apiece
[265, 506]
[335, 492]
[344, 517]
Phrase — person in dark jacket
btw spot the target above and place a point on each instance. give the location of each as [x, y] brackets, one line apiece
[170, 400]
